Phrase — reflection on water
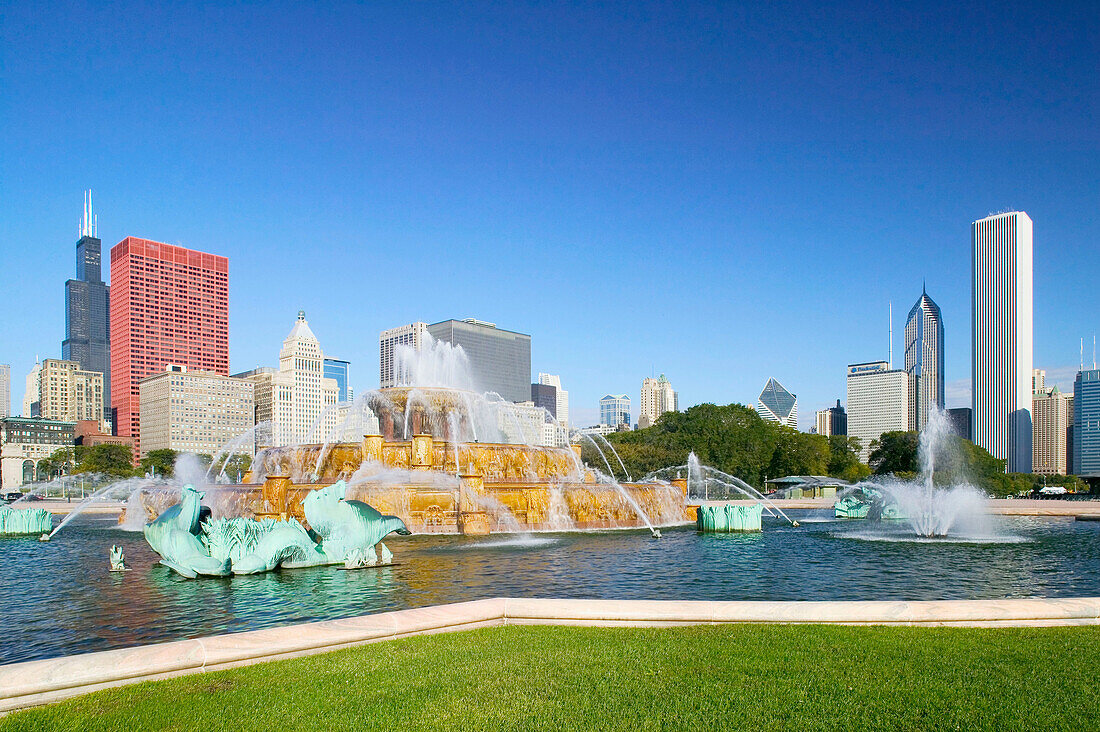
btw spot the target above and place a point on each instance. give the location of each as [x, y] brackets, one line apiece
[58, 598]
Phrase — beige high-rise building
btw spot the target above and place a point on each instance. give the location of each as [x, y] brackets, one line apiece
[67, 393]
[879, 400]
[658, 397]
[298, 400]
[1052, 416]
[193, 411]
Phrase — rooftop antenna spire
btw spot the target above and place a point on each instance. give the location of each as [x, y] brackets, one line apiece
[1093, 351]
[89, 224]
[891, 334]
[1082, 354]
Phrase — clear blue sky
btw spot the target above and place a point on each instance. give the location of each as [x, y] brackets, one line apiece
[721, 194]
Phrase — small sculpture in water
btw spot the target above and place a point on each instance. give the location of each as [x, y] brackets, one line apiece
[118, 560]
[867, 503]
[19, 521]
[342, 531]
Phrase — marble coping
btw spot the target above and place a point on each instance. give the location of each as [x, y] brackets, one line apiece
[41, 682]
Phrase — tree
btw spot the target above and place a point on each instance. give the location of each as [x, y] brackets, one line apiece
[731, 438]
[60, 462]
[161, 462]
[109, 459]
[844, 459]
[895, 453]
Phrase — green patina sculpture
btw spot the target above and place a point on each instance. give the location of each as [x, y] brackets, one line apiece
[867, 503]
[18, 521]
[118, 560]
[725, 518]
[343, 531]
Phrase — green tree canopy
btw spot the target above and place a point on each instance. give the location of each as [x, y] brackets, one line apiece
[109, 459]
[844, 459]
[162, 462]
[731, 438]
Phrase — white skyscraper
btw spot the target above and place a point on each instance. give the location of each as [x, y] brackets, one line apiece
[879, 400]
[30, 395]
[298, 399]
[562, 395]
[405, 335]
[1002, 337]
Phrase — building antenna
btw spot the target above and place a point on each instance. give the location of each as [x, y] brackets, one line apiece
[1082, 354]
[1093, 351]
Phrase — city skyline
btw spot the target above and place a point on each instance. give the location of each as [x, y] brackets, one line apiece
[564, 178]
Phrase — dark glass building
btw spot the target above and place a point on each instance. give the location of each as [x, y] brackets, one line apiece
[960, 420]
[545, 396]
[499, 359]
[87, 313]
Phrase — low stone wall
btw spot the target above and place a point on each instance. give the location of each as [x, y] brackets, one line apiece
[42, 682]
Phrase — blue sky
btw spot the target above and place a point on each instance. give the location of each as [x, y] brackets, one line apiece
[714, 192]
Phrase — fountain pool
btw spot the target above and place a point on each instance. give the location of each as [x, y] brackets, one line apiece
[59, 598]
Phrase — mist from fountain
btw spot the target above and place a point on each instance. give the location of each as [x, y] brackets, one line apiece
[958, 510]
[697, 474]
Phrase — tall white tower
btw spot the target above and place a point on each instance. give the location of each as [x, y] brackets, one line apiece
[1001, 289]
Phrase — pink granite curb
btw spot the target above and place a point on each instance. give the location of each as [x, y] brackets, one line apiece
[42, 682]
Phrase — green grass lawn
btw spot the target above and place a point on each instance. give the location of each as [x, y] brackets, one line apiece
[728, 677]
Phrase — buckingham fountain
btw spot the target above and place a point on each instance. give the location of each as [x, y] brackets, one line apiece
[435, 456]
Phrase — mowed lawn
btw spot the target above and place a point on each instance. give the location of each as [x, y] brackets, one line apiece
[725, 677]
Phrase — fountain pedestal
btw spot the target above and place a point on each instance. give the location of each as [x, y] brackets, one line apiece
[274, 497]
[473, 520]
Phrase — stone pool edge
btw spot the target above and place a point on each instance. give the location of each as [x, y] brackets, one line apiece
[33, 683]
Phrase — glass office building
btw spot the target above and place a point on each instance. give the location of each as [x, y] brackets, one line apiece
[337, 369]
[1086, 423]
[500, 360]
[615, 410]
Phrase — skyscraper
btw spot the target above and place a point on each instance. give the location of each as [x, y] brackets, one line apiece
[1050, 412]
[776, 404]
[1086, 423]
[404, 335]
[562, 413]
[657, 397]
[338, 370]
[500, 360]
[30, 394]
[87, 315]
[1002, 337]
[924, 357]
[193, 411]
[545, 396]
[68, 393]
[5, 390]
[298, 399]
[832, 421]
[879, 400]
[169, 305]
[615, 410]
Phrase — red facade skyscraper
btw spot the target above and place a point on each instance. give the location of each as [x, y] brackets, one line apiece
[168, 305]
